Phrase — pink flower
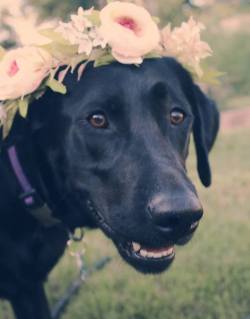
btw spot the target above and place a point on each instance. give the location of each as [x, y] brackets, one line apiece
[184, 43]
[129, 30]
[22, 71]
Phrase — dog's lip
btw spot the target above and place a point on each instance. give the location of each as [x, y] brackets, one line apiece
[184, 240]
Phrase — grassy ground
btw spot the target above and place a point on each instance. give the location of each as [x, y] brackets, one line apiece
[210, 278]
[234, 91]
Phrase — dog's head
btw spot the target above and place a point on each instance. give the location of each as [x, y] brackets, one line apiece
[114, 151]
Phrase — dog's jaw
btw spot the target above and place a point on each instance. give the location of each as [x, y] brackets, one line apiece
[145, 259]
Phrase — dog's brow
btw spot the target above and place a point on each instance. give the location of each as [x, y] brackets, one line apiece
[113, 103]
[110, 103]
[159, 90]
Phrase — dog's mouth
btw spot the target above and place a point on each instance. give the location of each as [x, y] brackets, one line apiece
[142, 257]
[147, 259]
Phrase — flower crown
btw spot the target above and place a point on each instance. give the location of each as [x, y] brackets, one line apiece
[121, 31]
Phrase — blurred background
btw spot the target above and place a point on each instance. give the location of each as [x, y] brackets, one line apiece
[210, 278]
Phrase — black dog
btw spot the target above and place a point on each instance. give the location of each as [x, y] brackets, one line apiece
[111, 154]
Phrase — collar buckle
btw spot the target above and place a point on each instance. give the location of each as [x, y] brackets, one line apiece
[31, 199]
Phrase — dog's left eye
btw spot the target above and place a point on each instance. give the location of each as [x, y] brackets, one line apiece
[98, 120]
[177, 116]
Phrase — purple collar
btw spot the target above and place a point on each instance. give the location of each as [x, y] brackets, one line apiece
[29, 197]
[27, 194]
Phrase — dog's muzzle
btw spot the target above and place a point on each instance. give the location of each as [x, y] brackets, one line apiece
[176, 226]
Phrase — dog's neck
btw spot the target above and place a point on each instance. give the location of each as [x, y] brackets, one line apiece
[38, 173]
[24, 190]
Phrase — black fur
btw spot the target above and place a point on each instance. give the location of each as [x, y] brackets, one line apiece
[128, 179]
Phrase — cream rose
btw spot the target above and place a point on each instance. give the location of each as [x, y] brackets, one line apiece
[129, 30]
[185, 44]
[22, 71]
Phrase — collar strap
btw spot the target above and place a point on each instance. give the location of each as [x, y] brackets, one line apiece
[29, 196]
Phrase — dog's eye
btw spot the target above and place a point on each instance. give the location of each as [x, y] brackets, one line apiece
[177, 116]
[98, 120]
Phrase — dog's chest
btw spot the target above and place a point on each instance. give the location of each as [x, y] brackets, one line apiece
[29, 258]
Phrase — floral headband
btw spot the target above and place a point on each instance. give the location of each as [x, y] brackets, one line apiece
[121, 31]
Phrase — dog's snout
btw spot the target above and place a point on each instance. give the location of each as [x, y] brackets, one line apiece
[182, 212]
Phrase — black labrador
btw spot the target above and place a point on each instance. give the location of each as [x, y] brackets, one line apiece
[111, 154]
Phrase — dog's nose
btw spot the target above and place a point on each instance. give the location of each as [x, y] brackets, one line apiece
[175, 213]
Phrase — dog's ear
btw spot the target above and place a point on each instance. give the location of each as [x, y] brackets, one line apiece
[205, 129]
[206, 119]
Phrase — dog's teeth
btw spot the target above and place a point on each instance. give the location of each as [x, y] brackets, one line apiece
[150, 254]
[170, 251]
[136, 247]
[143, 253]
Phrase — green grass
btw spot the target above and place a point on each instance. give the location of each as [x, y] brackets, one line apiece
[230, 56]
[210, 278]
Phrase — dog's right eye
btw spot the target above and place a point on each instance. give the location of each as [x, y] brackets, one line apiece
[98, 120]
[177, 116]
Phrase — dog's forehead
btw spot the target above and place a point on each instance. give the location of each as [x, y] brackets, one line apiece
[128, 83]
[115, 77]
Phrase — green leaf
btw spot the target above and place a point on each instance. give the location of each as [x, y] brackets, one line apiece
[211, 76]
[77, 59]
[54, 36]
[104, 60]
[61, 51]
[95, 18]
[109, 1]
[41, 90]
[152, 55]
[56, 86]
[157, 20]
[23, 105]
[11, 113]
[38, 94]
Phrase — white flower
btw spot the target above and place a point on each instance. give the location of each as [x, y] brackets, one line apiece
[68, 32]
[85, 13]
[97, 39]
[77, 32]
[80, 21]
[75, 37]
[22, 71]
[184, 43]
[129, 30]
